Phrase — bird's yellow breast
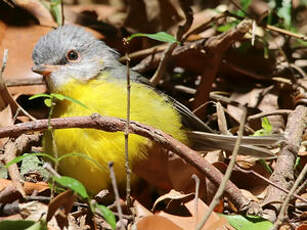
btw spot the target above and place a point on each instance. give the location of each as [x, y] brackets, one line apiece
[109, 97]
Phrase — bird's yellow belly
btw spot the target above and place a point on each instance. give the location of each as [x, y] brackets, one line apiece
[108, 98]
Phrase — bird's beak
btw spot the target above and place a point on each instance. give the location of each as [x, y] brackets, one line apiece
[44, 69]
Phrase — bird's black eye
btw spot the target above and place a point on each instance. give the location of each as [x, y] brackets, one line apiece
[72, 56]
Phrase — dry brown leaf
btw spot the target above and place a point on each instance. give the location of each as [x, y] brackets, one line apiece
[245, 161]
[63, 200]
[214, 156]
[154, 168]
[29, 187]
[249, 195]
[102, 12]
[155, 222]
[302, 227]
[180, 175]
[173, 196]
[6, 117]
[215, 222]
[19, 62]
[245, 180]
[38, 10]
[297, 201]
[33, 210]
[6, 120]
[140, 210]
[250, 98]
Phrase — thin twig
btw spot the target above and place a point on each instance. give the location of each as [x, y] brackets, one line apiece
[270, 113]
[54, 148]
[221, 119]
[14, 148]
[11, 82]
[285, 32]
[222, 186]
[62, 13]
[215, 48]
[128, 171]
[117, 199]
[300, 189]
[205, 25]
[283, 174]
[162, 65]
[144, 52]
[271, 183]
[49, 168]
[6, 96]
[111, 124]
[197, 181]
[185, 6]
[4, 61]
[281, 215]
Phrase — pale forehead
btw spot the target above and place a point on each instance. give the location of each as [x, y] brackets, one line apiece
[54, 45]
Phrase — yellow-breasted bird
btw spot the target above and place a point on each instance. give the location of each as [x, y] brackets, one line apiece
[76, 64]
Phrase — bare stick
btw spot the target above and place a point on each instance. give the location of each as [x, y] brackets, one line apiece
[281, 215]
[128, 171]
[185, 6]
[5, 95]
[51, 170]
[283, 174]
[270, 113]
[197, 181]
[232, 162]
[271, 183]
[111, 124]
[14, 148]
[117, 199]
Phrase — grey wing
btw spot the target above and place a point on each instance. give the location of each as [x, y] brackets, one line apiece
[207, 139]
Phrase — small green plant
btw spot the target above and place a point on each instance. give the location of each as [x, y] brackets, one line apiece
[68, 182]
[266, 128]
[248, 222]
[160, 36]
[51, 97]
[73, 184]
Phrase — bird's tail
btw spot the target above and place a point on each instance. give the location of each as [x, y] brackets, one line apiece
[250, 145]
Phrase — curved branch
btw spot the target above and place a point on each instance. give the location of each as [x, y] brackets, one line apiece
[111, 124]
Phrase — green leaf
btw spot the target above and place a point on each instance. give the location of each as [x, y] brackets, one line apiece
[72, 184]
[245, 4]
[58, 96]
[62, 97]
[16, 224]
[107, 215]
[227, 26]
[248, 222]
[266, 125]
[266, 166]
[160, 36]
[20, 158]
[48, 102]
[41, 225]
[266, 128]
[39, 95]
[56, 11]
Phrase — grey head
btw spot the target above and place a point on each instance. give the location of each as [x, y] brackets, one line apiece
[70, 52]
